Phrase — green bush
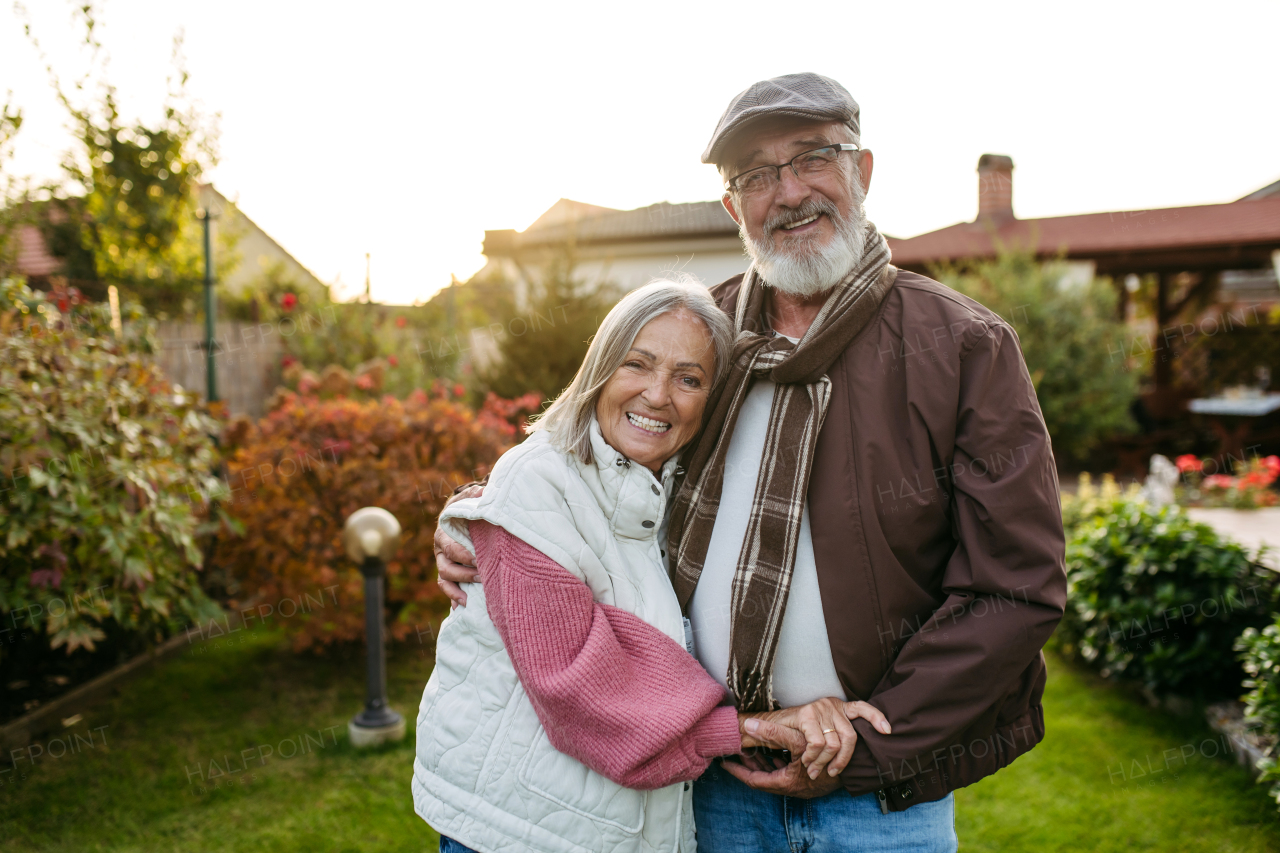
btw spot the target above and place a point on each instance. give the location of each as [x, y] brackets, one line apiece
[1069, 335]
[1260, 655]
[1156, 598]
[105, 477]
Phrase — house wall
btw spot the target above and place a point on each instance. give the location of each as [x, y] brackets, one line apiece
[257, 251]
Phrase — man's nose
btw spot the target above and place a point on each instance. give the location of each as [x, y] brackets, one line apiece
[791, 190]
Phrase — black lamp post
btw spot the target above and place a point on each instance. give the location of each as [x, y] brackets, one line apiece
[371, 536]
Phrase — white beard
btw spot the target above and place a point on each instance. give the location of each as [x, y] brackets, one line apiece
[802, 267]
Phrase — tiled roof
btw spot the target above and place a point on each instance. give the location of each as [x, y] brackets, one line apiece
[661, 220]
[1241, 223]
[33, 256]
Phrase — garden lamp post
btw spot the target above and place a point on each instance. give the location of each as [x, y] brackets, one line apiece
[371, 536]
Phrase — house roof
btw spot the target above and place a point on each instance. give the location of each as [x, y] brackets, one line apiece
[1235, 235]
[604, 225]
[34, 258]
[1266, 192]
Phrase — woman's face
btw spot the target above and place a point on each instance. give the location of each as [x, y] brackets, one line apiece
[652, 405]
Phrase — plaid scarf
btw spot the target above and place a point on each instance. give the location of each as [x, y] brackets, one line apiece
[768, 557]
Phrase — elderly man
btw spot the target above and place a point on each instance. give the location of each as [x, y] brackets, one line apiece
[872, 509]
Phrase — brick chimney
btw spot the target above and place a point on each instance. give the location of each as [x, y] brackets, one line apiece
[995, 188]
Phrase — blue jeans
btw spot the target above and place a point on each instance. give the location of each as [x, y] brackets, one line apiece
[448, 845]
[734, 818]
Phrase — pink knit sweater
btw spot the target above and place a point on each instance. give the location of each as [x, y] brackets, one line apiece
[610, 689]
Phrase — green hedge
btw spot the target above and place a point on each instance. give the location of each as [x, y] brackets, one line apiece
[1156, 598]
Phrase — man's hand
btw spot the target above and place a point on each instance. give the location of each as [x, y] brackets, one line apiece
[454, 564]
[790, 780]
[828, 734]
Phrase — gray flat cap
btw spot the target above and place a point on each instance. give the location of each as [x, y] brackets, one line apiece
[806, 95]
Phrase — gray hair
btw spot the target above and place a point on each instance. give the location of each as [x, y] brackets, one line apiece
[568, 419]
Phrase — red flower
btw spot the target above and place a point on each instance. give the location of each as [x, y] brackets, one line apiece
[288, 301]
[1219, 481]
[458, 390]
[401, 322]
[393, 361]
[288, 361]
[1188, 462]
[364, 382]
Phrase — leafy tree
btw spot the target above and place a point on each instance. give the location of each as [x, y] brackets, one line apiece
[14, 209]
[127, 212]
[541, 344]
[1069, 334]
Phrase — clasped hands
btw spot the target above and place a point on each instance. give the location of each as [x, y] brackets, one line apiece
[819, 737]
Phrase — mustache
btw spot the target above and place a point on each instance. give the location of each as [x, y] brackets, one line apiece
[810, 207]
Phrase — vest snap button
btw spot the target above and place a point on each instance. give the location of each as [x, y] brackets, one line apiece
[656, 490]
[646, 524]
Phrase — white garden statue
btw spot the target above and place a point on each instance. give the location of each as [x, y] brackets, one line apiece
[1157, 490]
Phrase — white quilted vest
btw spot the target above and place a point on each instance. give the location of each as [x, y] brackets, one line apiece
[485, 773]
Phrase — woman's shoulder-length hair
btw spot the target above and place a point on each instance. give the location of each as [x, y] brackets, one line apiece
[568, 419]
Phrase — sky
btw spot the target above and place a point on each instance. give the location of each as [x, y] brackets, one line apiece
[406, 130]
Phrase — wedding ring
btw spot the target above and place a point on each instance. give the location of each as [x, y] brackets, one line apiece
[827, 731]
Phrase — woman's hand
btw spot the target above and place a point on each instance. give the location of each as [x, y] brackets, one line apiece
[827, 738]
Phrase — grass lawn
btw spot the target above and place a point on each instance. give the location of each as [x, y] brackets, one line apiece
[145, 784]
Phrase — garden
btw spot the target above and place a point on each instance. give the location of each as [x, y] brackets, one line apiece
[182, 631]
[137, 518]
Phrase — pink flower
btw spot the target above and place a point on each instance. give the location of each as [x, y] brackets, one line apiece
[364, 382]
[1219, 481]
[393, 361]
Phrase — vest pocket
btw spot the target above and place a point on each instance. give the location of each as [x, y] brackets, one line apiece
[572, 785]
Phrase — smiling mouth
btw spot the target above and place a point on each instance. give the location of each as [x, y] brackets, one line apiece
[791, 226]
[649, 425]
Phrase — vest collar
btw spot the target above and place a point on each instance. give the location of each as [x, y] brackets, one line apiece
[633, 498]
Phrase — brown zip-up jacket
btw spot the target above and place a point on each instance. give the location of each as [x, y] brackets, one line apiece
[937, 531]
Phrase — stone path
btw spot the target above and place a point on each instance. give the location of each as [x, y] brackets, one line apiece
[1252, 528]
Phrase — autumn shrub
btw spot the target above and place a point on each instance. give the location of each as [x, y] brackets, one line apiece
[297, 474]
[106, 474]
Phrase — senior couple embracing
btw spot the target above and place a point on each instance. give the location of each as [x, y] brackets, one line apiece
[743, 587]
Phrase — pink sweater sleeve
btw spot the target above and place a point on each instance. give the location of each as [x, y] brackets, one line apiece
[610, 689]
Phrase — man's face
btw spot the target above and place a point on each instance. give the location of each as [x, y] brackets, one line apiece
[805, 234]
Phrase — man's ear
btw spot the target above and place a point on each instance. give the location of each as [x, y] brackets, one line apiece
[727, 201]
[866, 162]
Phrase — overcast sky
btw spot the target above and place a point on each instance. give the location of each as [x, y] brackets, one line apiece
[407, 129]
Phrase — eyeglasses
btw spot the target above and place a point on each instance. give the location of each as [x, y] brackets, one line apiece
[763, 180]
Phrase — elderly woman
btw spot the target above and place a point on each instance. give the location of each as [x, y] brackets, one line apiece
[566, 712]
